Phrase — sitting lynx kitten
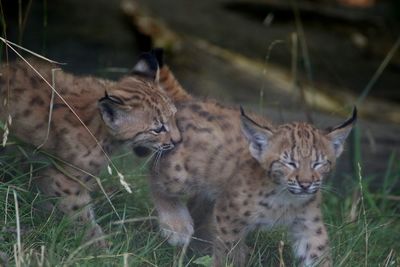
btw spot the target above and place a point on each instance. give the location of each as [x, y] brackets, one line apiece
[257, 174]
[132, 112]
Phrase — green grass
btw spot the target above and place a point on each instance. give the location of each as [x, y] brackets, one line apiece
[364, 225]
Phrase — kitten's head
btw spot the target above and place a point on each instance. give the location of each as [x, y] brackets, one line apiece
[137, 110]
[296, 155]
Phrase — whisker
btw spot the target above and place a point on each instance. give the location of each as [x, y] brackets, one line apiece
[283, 190]
[149, 158]
[331, 191]
[157, 160]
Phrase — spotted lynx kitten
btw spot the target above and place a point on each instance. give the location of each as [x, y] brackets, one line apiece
[130, 112]
[255, 174]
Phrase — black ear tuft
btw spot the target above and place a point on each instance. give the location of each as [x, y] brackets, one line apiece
[104, 97]
[242, 111]
[159, 54]
[147, 66]
[349, 121]
[111, 98]
[257, 135]
[338, 134]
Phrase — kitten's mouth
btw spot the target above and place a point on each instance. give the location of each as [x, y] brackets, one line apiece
[164, 147]
[302, 192]
[141, 151]
[145, 150]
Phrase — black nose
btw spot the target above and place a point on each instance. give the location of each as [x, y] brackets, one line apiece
[305, 185]
[175, 142]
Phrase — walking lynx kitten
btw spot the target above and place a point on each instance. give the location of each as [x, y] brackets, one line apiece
[255, 173]
[133, 112]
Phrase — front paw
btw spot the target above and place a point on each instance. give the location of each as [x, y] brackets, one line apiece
[177, 228]
[96, 236]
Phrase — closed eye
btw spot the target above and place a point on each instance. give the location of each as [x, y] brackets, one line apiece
[292, 164]
[159, 129]
[317, 165]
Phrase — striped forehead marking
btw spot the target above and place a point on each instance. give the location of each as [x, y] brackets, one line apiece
[303, 139]
[136, 91]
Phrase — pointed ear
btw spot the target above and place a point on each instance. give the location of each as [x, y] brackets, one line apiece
[147, 66]
[112, 114]
[337, 135]
[257, 135]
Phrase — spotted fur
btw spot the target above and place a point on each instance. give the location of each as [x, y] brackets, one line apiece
[171, 86]
[253, 173]
[132, 111]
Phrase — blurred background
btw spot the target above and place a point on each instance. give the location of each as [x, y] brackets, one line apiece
[290, 60]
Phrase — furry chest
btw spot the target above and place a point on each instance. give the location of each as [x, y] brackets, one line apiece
[278, 210]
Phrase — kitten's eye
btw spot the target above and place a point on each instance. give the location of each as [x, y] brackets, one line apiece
[317, 165]
[292, 164]
[160, 129]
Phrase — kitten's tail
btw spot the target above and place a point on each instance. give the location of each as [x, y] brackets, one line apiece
[167, 80]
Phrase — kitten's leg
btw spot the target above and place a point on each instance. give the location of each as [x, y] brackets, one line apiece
[310, 237]
[174, 218]
[231, 229]
[74, 200]
[201, 208]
